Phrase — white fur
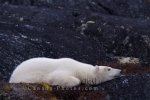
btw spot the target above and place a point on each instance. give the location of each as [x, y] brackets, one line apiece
[64, 72]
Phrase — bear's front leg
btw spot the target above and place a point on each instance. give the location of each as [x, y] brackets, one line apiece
[63, 78]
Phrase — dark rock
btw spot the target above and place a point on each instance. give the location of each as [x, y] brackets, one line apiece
[46, 34]
[128, 87]
[121, 36]
[125, 8]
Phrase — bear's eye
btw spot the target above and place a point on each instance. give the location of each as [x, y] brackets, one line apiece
[109, 69]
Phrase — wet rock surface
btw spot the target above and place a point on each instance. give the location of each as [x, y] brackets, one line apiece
[91, 31]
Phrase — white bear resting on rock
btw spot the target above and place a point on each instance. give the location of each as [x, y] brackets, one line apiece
[64, 72]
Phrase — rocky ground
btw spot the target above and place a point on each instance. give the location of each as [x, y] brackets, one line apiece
[91, 31]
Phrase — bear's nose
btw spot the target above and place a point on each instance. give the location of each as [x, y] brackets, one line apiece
[121, 72]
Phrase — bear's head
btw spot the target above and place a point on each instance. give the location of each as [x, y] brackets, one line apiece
[105, 73]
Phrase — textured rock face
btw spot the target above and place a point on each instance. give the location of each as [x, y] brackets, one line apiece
[91, 31]
[128, 87]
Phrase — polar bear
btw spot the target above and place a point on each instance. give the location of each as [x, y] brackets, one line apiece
[64, 72]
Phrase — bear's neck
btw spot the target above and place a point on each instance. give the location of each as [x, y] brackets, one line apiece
[86, 75]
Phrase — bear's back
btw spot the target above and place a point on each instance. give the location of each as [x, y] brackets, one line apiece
[41, 67]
